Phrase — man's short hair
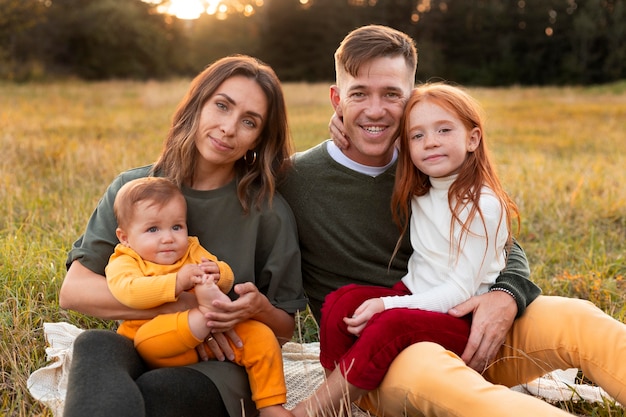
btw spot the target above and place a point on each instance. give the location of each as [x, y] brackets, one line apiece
[373, 41]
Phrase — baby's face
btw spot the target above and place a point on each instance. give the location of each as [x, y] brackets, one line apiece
[159, 233]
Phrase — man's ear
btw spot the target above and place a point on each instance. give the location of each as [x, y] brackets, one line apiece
[335, 99]
[474, 139]
[121, 236]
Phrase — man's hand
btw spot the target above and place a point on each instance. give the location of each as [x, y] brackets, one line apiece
[493, 316]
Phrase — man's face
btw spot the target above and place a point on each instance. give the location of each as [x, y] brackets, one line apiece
[371, 105]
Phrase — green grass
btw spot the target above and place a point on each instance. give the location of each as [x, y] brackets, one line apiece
[559, 151]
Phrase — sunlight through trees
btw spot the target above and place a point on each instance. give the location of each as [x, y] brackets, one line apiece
[479, 42]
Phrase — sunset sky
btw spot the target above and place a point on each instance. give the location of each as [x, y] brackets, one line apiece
[192, 9]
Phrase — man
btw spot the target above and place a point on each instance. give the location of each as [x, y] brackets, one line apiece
[341, 201]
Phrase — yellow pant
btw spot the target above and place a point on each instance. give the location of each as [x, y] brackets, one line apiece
[167, 340]
[554, 333]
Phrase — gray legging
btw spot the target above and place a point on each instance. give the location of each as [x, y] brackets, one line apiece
[108, 378]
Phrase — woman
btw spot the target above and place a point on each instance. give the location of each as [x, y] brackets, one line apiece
[227, 143]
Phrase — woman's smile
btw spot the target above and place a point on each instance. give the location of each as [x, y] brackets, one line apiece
[220, 145]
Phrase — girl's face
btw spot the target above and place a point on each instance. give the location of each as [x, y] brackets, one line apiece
[438, 141]
[230, 123]
[157, 233]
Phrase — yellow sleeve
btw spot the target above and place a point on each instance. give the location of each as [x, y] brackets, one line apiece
[138, 284]
[227, 277]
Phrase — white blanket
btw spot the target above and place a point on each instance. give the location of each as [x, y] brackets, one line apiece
[303, 374]
[49, 384]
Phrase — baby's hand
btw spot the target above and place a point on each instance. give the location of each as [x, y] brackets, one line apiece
[187, 277]
[210, 268]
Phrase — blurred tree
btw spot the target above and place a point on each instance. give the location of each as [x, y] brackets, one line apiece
[299, 41]
[543, 41]
[211, 38]
[17, 18]
[480, 42]
[597, 42]
[614, 66]
[394, 13]
[500, 42]
[107, 38]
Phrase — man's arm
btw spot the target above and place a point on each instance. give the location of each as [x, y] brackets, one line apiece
[493, 313]
[515, 279]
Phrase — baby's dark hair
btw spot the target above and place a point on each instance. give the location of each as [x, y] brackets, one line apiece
[158, 190]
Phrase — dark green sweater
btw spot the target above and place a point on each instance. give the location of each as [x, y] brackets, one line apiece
[347, 234]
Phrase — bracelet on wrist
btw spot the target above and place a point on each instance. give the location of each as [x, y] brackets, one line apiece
[504, 290]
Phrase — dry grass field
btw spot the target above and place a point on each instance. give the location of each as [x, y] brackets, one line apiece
[561, 153]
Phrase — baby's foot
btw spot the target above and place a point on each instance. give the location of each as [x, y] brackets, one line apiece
[206, 292]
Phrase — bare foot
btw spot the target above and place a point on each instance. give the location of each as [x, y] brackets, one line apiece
[206, 293]
[274, 411]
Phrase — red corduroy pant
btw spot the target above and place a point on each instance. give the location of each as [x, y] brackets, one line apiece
[364, 360]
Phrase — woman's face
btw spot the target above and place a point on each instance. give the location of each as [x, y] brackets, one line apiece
[230, 122]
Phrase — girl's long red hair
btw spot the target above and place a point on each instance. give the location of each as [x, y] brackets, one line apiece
[476, 171]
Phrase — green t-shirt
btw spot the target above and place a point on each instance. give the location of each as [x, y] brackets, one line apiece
[260, 247]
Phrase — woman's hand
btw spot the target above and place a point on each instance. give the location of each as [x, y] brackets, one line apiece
[225, 315]
[250, 304]
[363, 314]
[218, 343]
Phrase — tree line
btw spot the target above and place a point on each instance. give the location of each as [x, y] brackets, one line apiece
[474, 42]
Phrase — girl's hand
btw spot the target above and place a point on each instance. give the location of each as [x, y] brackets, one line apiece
[363, 314]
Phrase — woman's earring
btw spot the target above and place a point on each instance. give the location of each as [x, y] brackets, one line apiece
[253, 157]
